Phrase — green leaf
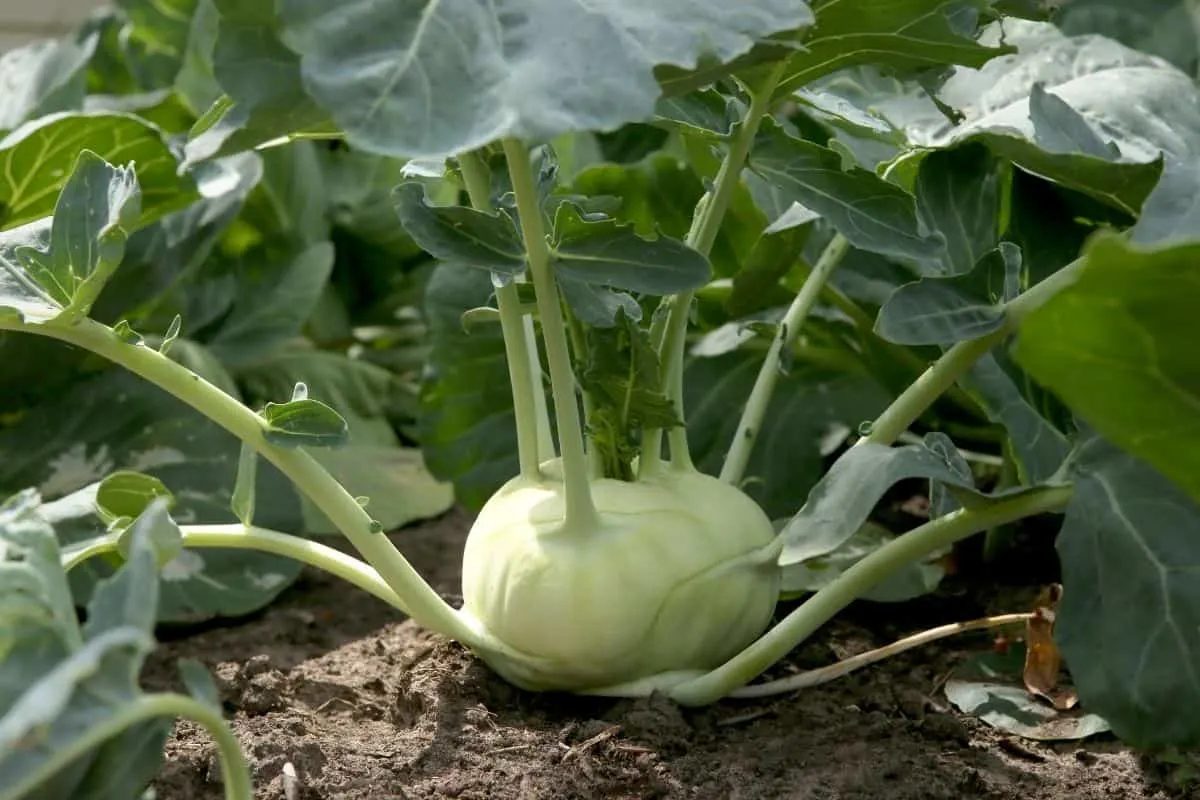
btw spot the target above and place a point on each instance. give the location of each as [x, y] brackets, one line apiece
[466, 425]
[304, 422]
[1039, 445]
[958, 195]
[1118, 346]
[908, 34]
[96, 210]
[159, 530]
[597, 305]
[290, 203]
[83, 688]
[621, 376]
[265, 97]
[705, 112]
[658, 195]
[37, 158]
[272, 305]
[1127, 624]
[842, 501]
[42, 78]
[460, 234]
[377, 66]
[812, 411]
[127, 494]
[956, 308]
[990, 686]
[154, 39]
[110, 422]
[606, 253]
[1104, 92]
[35, 599]
[871, 213]
[756, 286]
[20, 295]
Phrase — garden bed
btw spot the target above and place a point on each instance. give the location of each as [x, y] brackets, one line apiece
[365, 705]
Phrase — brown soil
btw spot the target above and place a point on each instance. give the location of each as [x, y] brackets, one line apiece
[364, 705]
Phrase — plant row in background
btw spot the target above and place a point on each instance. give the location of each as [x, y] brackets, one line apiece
[677, 311]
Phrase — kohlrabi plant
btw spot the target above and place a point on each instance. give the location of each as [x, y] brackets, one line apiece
[686, 255]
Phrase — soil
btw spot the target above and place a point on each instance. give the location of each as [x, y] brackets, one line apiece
[336, 696]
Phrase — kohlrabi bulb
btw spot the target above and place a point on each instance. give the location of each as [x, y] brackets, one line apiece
[679, 573]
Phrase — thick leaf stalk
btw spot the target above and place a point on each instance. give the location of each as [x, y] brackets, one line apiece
[734, 468]
[706, 223]
[516, 343]
[580, 509]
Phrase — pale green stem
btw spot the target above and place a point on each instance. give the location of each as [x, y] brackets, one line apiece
[238, 536]
[797, 626]
[580, 508]
[734, 468]
[235, 772]
[423, 604]
[478, 181]
[959, 358]
[706, 223]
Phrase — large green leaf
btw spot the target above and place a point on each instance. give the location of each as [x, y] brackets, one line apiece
[1084, 111]
[470, 72]
[908, 34]
[871, 213]
[264, 93]
[36, 160]
[1129, 621]
[457, 233]
[48, 704]
[958, 195]
[112, 422]
[42, 78]
[1119, 347]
